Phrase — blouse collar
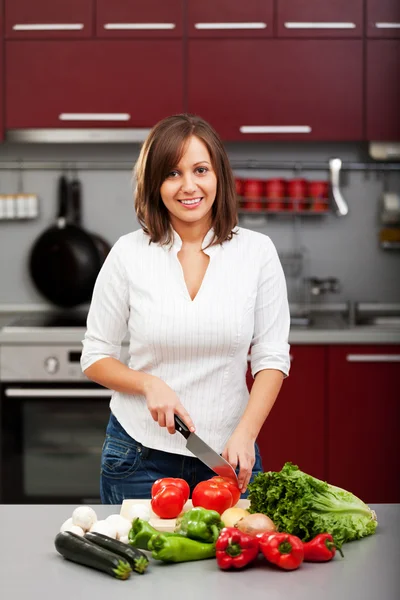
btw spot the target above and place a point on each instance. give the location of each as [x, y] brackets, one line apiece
[177, 242]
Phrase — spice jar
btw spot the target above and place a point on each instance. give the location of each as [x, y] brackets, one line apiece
[318, 192]
[275, 192]
[253, 193]
[239, 190]
[297, 195]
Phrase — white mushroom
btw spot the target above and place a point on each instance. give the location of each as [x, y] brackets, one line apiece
[84, 517]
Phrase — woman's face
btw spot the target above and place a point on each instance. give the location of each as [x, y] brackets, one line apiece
[189, 190]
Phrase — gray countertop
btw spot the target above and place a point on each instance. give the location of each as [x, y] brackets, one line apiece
[325, 328]
[31, 568]
[359, 334]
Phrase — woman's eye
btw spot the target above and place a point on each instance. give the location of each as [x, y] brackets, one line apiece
[172, 174]
[202, 170]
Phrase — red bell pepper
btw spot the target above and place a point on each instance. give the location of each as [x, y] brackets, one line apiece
[235, 549]
[282, 549]
[320, 549]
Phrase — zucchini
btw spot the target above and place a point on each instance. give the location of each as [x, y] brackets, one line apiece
[137, 559]
[82, 551]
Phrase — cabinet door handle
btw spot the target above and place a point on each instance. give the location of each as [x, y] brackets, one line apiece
[56, 393]
[48, 26]
[320, 25]
[373, 358]
[387, 25]
[138, 26]
[231, 25]
[275, 129]
[94, 117]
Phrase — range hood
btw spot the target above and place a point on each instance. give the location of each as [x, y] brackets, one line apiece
[78, 135]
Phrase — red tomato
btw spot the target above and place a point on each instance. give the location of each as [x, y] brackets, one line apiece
[180, 483]
[212, 496]
[231, 485]
[168, 502]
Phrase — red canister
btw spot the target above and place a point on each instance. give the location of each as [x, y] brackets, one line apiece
[253, 193]
[275, 192]
[239, 190]
[297, 194]
[239, 186]
[318, 192]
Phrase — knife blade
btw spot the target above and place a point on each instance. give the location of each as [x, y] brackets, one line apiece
[204, 452]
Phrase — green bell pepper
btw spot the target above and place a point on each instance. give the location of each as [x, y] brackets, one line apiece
[200, 524]
[141, 533]
[175, 548]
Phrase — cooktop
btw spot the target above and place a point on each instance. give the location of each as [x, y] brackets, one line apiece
[62, 319]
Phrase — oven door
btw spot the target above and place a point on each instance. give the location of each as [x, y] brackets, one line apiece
[51, 442]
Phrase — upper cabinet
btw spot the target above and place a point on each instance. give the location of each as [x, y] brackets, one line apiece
[234, 18]
[316, 19]
[139, 18]
[92, 84]
[279, 89]
[383, 90]
[383, 18]
[25, 19]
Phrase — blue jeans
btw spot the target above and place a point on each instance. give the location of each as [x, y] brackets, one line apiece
[129, 469]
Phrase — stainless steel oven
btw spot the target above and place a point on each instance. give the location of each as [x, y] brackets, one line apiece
[52, 425]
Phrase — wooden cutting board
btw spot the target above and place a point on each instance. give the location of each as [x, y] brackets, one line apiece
[165, 524]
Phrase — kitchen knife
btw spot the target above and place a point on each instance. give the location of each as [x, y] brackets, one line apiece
[204, 452]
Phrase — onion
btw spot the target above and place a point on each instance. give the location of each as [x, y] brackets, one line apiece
[232, 515]
[255, 523]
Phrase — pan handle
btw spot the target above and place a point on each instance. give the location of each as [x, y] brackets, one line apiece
[181, 427]
[75, 202]
[63, 200]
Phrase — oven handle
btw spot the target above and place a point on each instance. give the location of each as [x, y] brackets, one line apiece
[56, 393]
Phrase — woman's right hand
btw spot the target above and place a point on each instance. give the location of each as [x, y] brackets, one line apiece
[163, 404]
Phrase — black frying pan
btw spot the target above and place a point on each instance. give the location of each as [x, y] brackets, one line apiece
[103, 247]
[64, 260]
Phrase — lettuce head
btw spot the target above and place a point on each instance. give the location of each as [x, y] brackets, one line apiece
[305, 506]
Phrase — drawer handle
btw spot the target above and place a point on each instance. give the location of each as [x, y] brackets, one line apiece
[138, 26]
[56, 393]
[373, 358]
[259, 25]
[275, 129]
[48, 27]
[387, 25]
[94, 117]
[321, 25]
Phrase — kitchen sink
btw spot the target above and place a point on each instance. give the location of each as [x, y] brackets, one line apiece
[346, 315]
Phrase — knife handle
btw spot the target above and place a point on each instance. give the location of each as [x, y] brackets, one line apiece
[181, 427]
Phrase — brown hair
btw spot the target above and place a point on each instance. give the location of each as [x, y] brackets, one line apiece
[160, 154]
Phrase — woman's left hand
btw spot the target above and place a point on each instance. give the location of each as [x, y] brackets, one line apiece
[240, 450]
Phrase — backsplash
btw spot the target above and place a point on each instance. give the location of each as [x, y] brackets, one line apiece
[345, 248]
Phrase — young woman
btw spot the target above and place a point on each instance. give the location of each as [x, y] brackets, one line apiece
[196, 293]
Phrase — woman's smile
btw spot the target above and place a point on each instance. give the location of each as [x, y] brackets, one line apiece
[191, 203]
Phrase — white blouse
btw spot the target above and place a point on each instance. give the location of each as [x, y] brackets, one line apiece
[198, 347]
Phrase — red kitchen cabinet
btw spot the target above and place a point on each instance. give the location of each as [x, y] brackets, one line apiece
[295, 429]
[143, 18]
[316, 19]
[279, 89]
[383, 18]
[89, 84]
[383, 90]
[219, 18]
[45, 19]
[364, 419]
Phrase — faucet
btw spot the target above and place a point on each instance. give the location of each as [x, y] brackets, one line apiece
[323, 286]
